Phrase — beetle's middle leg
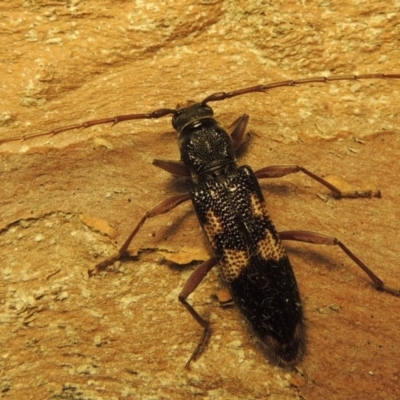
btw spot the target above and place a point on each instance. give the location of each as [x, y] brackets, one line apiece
[277, 171]
[164, 207]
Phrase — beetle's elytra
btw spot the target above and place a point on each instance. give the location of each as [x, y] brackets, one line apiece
[232, 212]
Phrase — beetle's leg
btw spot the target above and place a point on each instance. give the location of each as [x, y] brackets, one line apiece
[276, 171]
[239, 130]
[173, 167]
[319, 238]
[190, 286]
[164, 207]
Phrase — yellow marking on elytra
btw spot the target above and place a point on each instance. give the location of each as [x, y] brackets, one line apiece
[258, 207]
[234, 262]
[212, 227]
[270, 248]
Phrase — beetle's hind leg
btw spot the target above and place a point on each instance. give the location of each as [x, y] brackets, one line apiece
[190, 286]
[319, 238]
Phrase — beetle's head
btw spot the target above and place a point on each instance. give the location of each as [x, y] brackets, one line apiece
[189, 114]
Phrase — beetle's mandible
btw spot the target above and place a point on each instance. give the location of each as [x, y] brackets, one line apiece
[231, 210]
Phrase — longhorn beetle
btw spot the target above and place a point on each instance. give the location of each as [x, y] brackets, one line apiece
[232, 213]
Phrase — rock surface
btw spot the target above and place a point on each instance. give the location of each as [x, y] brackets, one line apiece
[125, 335]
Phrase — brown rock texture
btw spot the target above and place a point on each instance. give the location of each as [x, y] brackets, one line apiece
[66, 199]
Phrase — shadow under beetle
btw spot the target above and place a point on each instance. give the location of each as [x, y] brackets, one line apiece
[231, 210]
